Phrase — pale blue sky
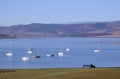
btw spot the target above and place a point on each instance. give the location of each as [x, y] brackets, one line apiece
[14, 12]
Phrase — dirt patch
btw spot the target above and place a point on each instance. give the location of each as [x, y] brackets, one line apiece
[6, 71]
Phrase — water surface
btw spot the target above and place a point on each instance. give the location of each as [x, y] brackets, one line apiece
[81, 52]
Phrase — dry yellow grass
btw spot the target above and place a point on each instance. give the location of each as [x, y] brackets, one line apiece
[62, 73]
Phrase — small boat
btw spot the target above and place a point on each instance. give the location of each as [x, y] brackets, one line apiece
[25, 58]
[29, 51]
[9, 54]
[67, 49]
[50, 55]
[97, 51]
[36, 56]
[60, 53]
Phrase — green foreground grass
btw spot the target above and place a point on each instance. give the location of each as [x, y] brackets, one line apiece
[63, 73]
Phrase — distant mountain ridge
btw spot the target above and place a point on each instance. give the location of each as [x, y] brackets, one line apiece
[97, 29]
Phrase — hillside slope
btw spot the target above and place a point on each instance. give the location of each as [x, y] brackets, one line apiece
[100, 29]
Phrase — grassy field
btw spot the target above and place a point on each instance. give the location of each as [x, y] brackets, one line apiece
[70, 73]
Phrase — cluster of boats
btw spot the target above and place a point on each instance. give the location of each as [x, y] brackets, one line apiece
[30, 51]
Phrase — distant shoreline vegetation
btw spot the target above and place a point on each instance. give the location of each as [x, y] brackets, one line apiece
[3, 36]
[88, 35]
[94, 35]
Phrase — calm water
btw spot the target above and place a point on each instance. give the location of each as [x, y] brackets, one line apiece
[82, 52]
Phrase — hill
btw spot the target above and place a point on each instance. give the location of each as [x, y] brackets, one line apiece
[97, 29]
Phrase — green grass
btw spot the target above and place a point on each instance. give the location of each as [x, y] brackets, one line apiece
[62, 73]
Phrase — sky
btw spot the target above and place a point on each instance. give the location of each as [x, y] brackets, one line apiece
[13, 12]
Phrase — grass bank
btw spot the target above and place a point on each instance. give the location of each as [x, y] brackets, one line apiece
[63, 73]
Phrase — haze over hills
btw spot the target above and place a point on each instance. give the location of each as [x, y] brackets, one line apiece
[96, 29]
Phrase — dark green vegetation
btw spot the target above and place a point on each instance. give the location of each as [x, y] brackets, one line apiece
[98, 29]
[73, 73]
[3, 36]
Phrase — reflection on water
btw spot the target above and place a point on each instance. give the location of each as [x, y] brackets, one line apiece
[81, 51]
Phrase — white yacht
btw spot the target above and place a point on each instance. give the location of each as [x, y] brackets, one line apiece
[10, 53]
[67, 49]
[98, 48]
[25, 58]
[60, 54]
[29, 51]
[97, 51]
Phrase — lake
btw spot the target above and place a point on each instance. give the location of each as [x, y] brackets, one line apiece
[81, 51]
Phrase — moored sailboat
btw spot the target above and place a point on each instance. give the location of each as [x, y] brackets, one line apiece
[9, 53]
